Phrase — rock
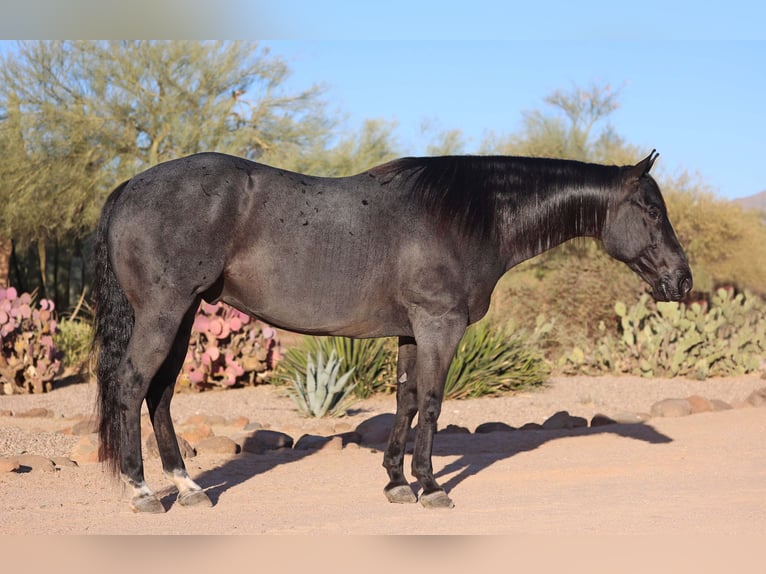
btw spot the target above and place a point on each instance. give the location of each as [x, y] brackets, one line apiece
[37, 413]
[342, 427]
[377, 429]
[719, 405]
[531, 426]
[239, 423]
[671, 408]
[600, 420]
[202, 419]
[6, 413]
[8, 464]
[262, 441]
[85, 426]
[36, 462]
[63, 461]
[489, 427]
[195, 433]
[563, 420]
[218, 445]
[757, 398]
[630, 418]
[152, 450]
[85, 451]
[315, 442]
[253, 426]
[454, 429]
[699, 404]
[350, 437]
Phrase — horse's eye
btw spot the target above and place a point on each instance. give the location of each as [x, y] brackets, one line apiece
[654, 212]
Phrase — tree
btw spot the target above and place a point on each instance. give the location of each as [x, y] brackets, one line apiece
[76, 118]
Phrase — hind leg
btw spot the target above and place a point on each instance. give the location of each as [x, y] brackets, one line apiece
[158, 401]
[153, 337]
[398, 489]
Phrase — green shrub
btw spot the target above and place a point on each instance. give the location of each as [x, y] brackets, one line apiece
[673, 339]
[491, 361]
[321, 391]
[73, 338]
[373, 361]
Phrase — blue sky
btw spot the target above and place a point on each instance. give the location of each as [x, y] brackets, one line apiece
[692, 75]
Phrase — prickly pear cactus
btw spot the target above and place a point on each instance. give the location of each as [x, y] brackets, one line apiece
[673, 339]
[227, 348]
[29, 360]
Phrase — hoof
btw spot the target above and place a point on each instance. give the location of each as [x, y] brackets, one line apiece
[194, 498]
[401, 494]
[147, 505]
[436, 499]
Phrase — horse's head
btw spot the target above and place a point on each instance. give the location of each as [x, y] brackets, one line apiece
[637, 231]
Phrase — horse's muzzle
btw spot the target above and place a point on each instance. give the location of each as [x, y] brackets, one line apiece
[673, 287]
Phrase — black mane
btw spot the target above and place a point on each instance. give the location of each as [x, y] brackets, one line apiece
[480, 194]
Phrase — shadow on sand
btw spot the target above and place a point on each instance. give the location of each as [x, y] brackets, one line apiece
[476, 452]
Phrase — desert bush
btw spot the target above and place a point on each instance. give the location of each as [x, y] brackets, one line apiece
[29, 360]
[73, 338]
[321, 391]
[675, 339]
[491, 361]
[227, 348]
[372, 361]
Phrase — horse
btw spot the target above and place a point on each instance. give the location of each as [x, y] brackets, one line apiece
[410, 249]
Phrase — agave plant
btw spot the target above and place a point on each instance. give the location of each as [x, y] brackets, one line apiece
[323, 392]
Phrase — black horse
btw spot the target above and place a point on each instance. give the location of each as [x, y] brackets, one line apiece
[409, 249]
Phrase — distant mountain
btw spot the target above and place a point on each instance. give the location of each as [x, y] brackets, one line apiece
[756, 201]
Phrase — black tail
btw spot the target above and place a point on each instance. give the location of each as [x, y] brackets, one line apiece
[113, 327]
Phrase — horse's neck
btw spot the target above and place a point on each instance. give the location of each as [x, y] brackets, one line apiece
[549, 216]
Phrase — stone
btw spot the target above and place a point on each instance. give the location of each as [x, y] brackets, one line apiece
[239, 423]
[311, 442]
[671, 408]
[86, 450]
[6, 413]
[531, 426]
[152, 450]
[195, 433]
[63, 462]
[36, 462]
[699, 404]
[556, 421]
[218, 445]
[83, 427]
[630, 418]
[253, 426]
[489, 427]
[600, 420]
[262, 441]
[377, 429]
[8, 464]
[454, 429]
[350, 437]
[757, 398]
[36, 413]
[719, 405]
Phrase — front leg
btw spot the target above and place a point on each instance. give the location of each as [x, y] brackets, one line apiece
[437, 340]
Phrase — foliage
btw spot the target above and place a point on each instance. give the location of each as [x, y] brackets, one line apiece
[322, 392]
[492, 361]
[29, 359]
[227, 348]
[675, 339]
[372, 361]
[73, 338]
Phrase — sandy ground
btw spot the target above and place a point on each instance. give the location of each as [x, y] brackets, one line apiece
[703, 474]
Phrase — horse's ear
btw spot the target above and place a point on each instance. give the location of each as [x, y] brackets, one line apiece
[642, 168]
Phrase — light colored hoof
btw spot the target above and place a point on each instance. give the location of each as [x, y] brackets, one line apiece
[194, 498]
[437, 499]
[147, 505]
[401, 494]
